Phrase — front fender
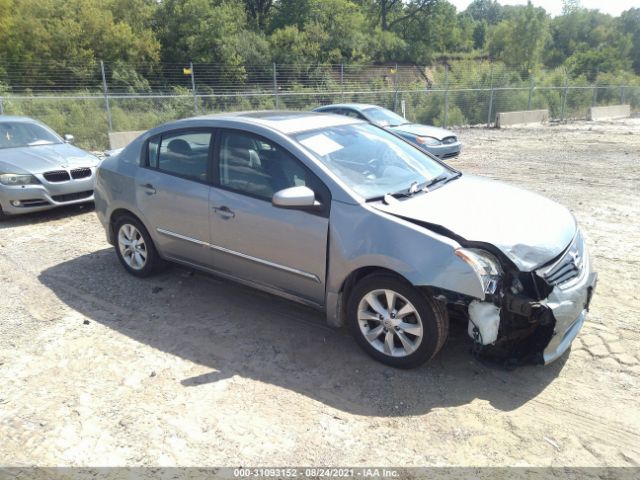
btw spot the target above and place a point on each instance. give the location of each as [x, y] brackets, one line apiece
[361, 236]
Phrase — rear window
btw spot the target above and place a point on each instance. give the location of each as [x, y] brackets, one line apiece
[183, 153]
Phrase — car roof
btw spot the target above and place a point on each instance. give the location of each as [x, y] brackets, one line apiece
[286, 122]
[354, 106]
[16, 118]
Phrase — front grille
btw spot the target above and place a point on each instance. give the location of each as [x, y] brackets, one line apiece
[68, 197]
[450, 155]
[57, 176]
[569, 266]
[82, 172]
[449, 140]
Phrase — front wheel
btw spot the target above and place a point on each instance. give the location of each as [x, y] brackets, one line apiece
[394, 322]
[134, 247]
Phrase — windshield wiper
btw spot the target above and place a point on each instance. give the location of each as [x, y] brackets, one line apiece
[414, 188]
[434, 181]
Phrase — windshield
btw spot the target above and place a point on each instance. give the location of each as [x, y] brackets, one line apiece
[383, 117]
[22, 134]
[372, 161]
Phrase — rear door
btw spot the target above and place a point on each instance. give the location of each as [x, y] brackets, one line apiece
[281, 248]
[172, 192]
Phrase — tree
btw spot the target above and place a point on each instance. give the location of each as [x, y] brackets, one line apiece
[414, 8]
[290, 13]
[54, 40]
[520, 41]
[206, 32]
[436, 29]
[570, 6]
[6, 17]
[385, 9]
[489, 11]
[6, 22]
[345, 27]
[291, 46]
[630, 21]
[480, 34]
[588, 42]
[258, 12]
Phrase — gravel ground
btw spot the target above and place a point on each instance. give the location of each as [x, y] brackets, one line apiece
[100, 368]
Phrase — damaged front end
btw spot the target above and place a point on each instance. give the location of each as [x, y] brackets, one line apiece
[527, 317]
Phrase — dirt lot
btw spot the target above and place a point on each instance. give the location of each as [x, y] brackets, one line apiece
[100, 368]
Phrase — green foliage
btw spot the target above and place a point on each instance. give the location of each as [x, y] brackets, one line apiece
[290, 13]
[487, 11]
[61, 42]
[52, 40]
[437, 29]
[292, 46]
[520, 41]
[57, 45]
[588, 42]
[630, 22]
[202, 31]
[341, 28]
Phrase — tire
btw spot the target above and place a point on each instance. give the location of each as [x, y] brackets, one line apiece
[129, 229]
[401, 342]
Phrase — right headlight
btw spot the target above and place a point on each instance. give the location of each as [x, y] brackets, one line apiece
[18, 179]
[428, 141]
[485, 265]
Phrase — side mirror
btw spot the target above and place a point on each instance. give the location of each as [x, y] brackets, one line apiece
[68, 138]
[295, 197]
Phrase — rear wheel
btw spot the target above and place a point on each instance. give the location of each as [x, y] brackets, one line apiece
[394, 322]
[134, 247]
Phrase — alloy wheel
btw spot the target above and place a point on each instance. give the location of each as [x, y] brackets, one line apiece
[390, 323]
[132, 246]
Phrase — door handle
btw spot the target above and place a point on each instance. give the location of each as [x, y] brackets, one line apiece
[148, 188]
[224, 212]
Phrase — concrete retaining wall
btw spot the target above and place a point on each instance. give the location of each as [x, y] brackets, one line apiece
[610, 112]
[505, 119]
[122, 139]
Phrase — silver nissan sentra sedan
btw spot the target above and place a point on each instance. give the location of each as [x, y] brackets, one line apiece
[39, 170]
[347, 217]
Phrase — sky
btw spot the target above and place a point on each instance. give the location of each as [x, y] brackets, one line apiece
[554, 7]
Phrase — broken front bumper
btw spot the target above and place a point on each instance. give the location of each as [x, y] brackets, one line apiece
[569, 305]
[521, 329]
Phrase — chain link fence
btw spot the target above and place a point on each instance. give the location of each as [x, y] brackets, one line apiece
[117, 98]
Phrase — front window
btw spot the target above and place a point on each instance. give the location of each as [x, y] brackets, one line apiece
[372, 161]
[383, 117]
[255, 166]
[22, 134]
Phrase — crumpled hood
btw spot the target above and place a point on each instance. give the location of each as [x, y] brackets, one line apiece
[423, 130]
[528, 228]
[44, 158]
